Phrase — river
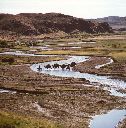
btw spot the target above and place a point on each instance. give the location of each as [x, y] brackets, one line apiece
[110, 84]
[108, 120]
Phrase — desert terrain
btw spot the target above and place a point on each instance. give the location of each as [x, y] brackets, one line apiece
[33, 99]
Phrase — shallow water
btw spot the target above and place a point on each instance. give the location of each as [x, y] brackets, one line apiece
[114, 84]
[42, 47]
[7, 91]
[75, 47]
[109, 120]
[21, 53]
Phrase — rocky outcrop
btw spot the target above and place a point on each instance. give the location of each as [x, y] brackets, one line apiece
[37, 23]
[115, 22]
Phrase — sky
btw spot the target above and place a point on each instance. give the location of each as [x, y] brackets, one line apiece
[79, 8]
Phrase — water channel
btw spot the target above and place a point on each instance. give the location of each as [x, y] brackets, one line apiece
[108, 120]
[110, 84]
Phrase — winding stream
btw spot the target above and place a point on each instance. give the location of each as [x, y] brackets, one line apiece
[21, 53]
[109, 120]
[7, 91]
[112, 84]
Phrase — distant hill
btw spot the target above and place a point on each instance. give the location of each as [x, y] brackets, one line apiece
[38, 23]
[115, 22]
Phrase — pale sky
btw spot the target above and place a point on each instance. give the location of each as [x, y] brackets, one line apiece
[77, 8]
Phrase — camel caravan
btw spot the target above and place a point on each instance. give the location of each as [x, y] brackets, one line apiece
[57, 66]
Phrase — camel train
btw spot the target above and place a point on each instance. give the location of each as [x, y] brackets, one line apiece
[55, 66]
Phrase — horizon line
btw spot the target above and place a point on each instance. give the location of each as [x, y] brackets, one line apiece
[57, 13]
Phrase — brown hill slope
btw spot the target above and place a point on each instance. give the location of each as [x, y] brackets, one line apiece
[37, 23]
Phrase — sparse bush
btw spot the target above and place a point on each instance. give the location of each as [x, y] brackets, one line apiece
[3, 44]
[8, 59]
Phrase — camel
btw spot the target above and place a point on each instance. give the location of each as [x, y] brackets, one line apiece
[63, 66]
[68, 67]
[56, 66]
[47, 66]
[72, 64]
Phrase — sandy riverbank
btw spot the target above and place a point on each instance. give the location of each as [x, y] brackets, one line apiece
[115, 69]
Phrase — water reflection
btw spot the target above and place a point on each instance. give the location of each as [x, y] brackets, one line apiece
[109, 120]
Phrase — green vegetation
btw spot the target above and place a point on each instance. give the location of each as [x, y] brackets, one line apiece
[116, 48]
[5, 44]
[107, 47]
[113, 44]
[9, 120]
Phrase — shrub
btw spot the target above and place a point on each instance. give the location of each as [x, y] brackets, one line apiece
[3, 44]
[9, 60]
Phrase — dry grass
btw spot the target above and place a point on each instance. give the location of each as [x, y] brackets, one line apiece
[71, 52]
[119, 56]
[27, 59]
[10, 120]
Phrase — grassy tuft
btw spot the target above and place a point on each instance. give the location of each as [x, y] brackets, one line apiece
[119, 56]
[13, 121]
